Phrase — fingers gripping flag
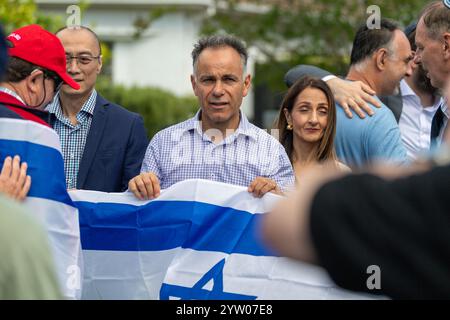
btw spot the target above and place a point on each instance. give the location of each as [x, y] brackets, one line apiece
[47, 199]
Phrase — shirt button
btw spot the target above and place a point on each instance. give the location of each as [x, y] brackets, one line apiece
[72, 155]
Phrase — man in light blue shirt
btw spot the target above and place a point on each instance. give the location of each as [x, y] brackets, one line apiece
[380, 58]
[218, 143]
[362, 141]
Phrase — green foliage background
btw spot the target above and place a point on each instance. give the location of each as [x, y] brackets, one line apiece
[17, 13]
[159, 108]
[286, 33]
[292, 32]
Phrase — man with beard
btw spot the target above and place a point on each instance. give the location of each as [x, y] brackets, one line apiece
[419, 102]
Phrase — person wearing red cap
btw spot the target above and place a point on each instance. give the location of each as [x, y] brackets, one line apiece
[35, 71]
[27, 269]
[14, 181]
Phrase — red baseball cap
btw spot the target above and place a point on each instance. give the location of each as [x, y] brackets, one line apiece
[38, 46]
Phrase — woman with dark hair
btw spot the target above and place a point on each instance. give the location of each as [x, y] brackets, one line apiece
[307, 124]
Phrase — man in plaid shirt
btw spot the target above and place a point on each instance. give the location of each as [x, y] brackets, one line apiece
[218, 143]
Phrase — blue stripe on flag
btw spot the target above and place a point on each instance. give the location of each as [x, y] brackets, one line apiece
[163, 225]
[45, 166]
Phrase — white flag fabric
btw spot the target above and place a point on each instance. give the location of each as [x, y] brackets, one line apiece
[47, 199]
[199, 240]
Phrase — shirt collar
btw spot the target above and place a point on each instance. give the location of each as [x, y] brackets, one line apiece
[12, 93]
[88, 107]
[405, 89]
[244, 128]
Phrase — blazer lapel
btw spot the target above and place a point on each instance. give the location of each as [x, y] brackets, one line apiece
[93, 139]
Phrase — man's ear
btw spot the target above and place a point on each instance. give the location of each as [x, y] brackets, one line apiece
[34, 81]
[193, 83]
[247, 84]
[380, 58]
[446, 46]
[100, 64]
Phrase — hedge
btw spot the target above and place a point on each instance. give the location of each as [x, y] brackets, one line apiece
[158, 107]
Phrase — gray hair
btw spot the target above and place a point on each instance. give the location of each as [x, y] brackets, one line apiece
[436, 17]
[217, 41]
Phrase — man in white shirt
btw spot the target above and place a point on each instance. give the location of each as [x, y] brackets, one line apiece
[420, 101]
[415, 122]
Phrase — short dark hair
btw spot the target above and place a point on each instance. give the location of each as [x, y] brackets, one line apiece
[367, 41]
[217, 41]
[436, 17]
[412, 40]
[18, 69]
[97, 39]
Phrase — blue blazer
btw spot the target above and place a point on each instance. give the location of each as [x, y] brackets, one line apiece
[115, 148]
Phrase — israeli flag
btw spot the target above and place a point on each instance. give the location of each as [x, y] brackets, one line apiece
[47, 199]
[198, 240]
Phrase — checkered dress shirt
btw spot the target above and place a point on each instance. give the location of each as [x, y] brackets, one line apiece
[73, 137]
[183, 152]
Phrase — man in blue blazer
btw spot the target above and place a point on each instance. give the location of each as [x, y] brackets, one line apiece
[102, 143]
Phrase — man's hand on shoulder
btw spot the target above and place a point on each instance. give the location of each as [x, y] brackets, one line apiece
[353, 95]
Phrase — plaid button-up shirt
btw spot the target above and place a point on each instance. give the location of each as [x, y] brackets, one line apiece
[184, 151]
[73, 137]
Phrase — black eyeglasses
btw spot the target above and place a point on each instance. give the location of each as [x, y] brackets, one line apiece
[81, 59]
[56, 79]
